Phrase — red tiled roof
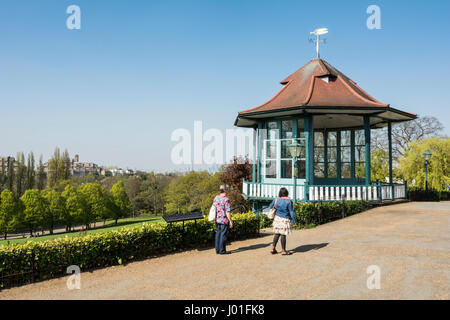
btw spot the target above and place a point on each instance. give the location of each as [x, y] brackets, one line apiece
[317, 84]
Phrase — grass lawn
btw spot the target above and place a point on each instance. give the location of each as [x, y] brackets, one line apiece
[110, 225]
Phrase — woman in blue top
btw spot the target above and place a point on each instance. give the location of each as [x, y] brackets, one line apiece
[284, 216]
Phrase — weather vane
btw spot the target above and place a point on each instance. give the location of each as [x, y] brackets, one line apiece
[318, 33]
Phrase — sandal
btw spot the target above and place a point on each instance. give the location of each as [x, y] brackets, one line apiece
[285, 253]
[274, 251]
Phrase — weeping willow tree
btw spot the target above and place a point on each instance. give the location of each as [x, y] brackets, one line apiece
[412, 165]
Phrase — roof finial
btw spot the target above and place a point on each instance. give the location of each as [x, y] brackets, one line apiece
[318, 33]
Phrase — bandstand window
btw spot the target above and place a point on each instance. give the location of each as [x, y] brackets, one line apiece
[271, 150]
[332, 154]
[286, 157]
[360, 154]
[319, 155]
[346, 151]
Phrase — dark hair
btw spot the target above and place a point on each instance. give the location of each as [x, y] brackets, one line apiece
[283, 192]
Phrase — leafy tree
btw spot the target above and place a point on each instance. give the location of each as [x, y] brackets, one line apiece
[35, 209]
[10, 180]
[412, 166]
[379, 164]
[30, 172]
[75, 206]
[57, 209]
[20, 174]
[232, 176]
[96, 203]
[58, 167]
[3, 176]
[405, 133]
[194, 191]
[40, 183]
[8, 209]
[121, 201]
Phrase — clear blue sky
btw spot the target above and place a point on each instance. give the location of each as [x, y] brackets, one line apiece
[137, 70]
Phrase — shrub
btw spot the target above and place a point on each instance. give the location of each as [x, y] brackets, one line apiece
[48, 259]
[417, 194]
[310, 214]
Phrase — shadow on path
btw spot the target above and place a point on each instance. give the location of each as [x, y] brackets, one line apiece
[252, 247]
[309, 247]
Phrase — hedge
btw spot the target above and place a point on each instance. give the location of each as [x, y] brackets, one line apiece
[418, 194]
[310, 214]
[22, 263]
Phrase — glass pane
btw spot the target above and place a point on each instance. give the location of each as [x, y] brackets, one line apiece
[360, 154]
[319, 170]
[318, 139]
[345, 170]
[319, 155]
[272, 129]
[360, 169]
[345, 138]
[271, 169]
[301, 169]
[271, 149]
[346, 154]
[286, 129]
[286, 168]
[300, 128]
[285, 153]
[332, 154]
[359, 137]
[332, 170]
[332, 139]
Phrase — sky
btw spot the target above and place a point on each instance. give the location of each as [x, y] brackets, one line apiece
[115, 90]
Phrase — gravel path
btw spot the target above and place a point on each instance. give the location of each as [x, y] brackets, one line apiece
[409, 242]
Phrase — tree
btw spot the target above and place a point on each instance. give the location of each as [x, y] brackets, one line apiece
[35, 209]
[20, 175]
[121, 201]
[96, 203]
[75, 206]
[405, 133]
[57, 209]
[232, 176]
[30, 172]
[3, 176]
[9, 208]
[412, 166]
[40, 184]
[58, 167]
[10, 180]
[379, 164]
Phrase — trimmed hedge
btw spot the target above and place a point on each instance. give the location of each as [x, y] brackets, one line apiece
[21, 263]
[310, 214]
[417, 194]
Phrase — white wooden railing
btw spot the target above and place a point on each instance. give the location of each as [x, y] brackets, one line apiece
[376, 192]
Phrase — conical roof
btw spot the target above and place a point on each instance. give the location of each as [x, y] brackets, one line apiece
[319, 88]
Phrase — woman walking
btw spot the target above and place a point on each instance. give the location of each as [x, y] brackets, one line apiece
[223, 220]
[284, 216]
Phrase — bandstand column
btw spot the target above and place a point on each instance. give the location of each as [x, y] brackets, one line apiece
[391, 181]
[367, 152]
[309, 163]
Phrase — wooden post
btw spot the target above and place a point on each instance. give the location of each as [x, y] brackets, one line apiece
[367, 151]
[391, 181]
[258, 151]
[309, 163]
